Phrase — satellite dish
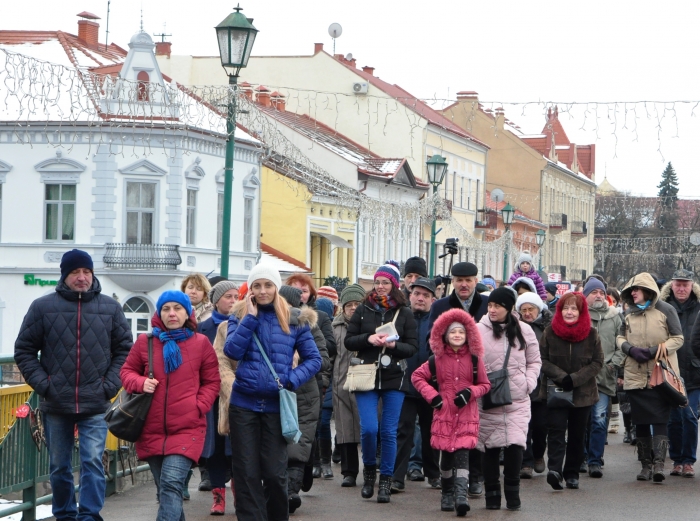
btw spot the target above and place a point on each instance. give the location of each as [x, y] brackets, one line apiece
[335, 30]
[695, 239]
[348, 57]
[497, 196]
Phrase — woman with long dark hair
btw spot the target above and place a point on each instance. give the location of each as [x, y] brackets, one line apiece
[383, 305]
[571, 358]
[510, 344]
[648, 323]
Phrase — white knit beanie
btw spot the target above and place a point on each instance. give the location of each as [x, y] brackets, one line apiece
[529, 298]
[265, 271]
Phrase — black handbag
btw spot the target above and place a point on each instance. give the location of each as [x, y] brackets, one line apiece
[127, 415]
[499, 395]
[557, 397]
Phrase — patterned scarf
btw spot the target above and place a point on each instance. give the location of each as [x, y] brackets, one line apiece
[218, 318]
[171, 351]
[381, 303]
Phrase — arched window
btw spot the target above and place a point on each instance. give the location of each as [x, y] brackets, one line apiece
[143, 80]
[138, 315]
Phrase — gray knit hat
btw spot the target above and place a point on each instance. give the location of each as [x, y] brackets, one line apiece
[353, 292]
[292, 295]
[219, 289]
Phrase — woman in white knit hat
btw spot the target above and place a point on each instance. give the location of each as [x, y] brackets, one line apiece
[264, 320]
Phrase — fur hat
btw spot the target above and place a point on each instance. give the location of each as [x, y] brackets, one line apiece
[352, 293]
[391, 271]
[444, 321]
[219, 289]
[265, 271]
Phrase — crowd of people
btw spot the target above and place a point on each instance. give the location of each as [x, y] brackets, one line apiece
[458, 390]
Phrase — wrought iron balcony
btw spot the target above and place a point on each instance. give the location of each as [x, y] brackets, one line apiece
[142, 256]
[579, 228]
[558, 222]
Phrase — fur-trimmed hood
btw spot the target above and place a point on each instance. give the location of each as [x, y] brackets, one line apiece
[305, 316]
[525, 280]
[665, 293]
[437, 340]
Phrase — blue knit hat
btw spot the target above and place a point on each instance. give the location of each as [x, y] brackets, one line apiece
[326, 305]
[391, 271]
[174, 296]
[74, 259]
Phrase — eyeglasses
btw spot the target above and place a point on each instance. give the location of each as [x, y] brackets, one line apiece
[382, 283]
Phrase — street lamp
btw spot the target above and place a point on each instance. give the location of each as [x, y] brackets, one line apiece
[236, 36]
[540, 236]
[507, 214]
[437, 168]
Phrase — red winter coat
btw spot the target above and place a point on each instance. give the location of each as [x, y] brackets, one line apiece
[454, 428]
[177, 420]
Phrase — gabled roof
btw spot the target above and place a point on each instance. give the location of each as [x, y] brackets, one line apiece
[282, 261]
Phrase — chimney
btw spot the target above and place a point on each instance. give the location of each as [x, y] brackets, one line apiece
[163, 49]
[318, 47]
[468, 96]
[263, 96]
[247, 90]
[88, 31]
[277, 100]
[368, 70]
[500, 118]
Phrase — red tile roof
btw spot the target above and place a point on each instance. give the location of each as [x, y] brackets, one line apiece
[272, 251]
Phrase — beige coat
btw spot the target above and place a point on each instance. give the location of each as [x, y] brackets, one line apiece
[347, 419]
[647, 329]
[227, 372]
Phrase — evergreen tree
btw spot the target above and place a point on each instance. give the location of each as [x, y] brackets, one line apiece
[668, 200]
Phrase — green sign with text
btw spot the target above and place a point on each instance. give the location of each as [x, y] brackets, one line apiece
[31, 280]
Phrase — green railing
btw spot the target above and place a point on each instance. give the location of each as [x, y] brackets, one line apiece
[23, 466]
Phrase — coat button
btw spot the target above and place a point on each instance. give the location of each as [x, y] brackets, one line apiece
[194, 439]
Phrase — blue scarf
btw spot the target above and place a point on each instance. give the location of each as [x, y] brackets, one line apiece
[218, 318]
[171, 352]
[645, 305]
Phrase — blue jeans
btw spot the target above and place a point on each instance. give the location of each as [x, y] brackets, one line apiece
[92, 432]
[599, 430]
[169, 473]
[683, 431]
[367, 407]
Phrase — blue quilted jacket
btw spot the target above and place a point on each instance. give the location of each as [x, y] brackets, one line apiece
[255, 388]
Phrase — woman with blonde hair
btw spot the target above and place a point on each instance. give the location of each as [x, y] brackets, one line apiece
[264, 322]
[197, 287]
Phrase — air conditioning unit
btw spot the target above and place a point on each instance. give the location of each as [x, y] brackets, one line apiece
[360, 87]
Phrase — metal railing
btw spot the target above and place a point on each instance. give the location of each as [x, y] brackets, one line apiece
[23, 466]
[142, 256]
[558, 221]
[579, 228]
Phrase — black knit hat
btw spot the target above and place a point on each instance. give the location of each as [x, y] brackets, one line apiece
[292, 295]
[74, 259]
[503, 297]
[415, 265]
[551, 288]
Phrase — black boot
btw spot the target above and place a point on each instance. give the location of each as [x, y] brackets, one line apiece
[633, 435]
[326, 451]
[447, 504]
[511, 489]
[335, 457]
[204, 483]
[370, 475]
[295, 476]
[461, 503]
[493, 496]
[308, 480]
[384, 494]
[660, 447]
[644, 455]
[316, 452]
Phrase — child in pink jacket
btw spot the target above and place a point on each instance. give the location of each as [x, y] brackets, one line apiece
[455, 340]
[525, 268]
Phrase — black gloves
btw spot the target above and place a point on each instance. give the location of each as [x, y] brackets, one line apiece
[437, 402]
[462, 398]
[567, 383]
[640, 355]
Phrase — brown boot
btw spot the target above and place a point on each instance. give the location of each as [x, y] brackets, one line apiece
[644, 455]
[219, 506]
[660, 446]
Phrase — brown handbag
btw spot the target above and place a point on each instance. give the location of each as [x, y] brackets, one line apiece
[666, 381]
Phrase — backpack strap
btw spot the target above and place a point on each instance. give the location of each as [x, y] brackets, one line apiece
[433, 369]
[475, 369]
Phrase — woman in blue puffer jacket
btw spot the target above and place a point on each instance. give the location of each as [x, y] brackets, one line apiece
[259, 457]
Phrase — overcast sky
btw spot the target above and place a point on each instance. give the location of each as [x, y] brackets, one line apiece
[508, 51]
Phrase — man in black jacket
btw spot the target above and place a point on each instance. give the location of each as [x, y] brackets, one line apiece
[84, 339]
[683, 293]
[464, 296]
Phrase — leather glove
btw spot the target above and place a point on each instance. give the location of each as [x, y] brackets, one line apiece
[640, 355]
[437, 402]
[462, 398]
[567, 383]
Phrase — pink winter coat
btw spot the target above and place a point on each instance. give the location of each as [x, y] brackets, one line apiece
[507, 425]
[453, 428]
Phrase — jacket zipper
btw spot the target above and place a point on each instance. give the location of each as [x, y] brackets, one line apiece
[77, 371]
[165, 411]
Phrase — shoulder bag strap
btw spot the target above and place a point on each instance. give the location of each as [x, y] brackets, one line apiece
[661, 354]
[396, 315]
[150, 356]
[475, 369]
[267, 361]
[505, 362]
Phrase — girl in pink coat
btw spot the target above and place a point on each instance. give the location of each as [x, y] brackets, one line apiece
[456, 343]
[505, 427]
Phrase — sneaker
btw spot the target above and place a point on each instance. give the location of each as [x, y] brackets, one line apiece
[526, 473]
[415, 475]
[595, 471]
[572, 483]
[435, 483]
[688, 471]
[584, 468]
[677, 470]
[476, 488]
[539, 465]
[397, 486]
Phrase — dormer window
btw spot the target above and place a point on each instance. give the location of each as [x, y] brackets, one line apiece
[143, 79]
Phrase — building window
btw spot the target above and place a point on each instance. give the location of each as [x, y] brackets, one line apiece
[142, 85]
[140, 212]
[469, 194]
[191, 213]
[248, 224]
[389, 241]
[454, 189]
[363, 238]
[219, 219]
[138, 316]
[373, 242]
[60, 213]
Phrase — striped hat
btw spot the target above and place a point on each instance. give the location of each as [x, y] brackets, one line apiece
[391, 271]
[327, 292]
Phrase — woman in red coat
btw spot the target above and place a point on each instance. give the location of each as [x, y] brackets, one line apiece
[185, 384]
[455, 430]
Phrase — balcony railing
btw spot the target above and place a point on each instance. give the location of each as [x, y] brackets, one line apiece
[558, 222]
[489, 220]
[579, 228]
[142, 256]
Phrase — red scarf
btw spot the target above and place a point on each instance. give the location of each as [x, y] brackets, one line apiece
[572, 332]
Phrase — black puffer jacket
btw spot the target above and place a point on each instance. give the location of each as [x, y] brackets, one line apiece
[688, 361]
[84, 340]
[364, 323]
